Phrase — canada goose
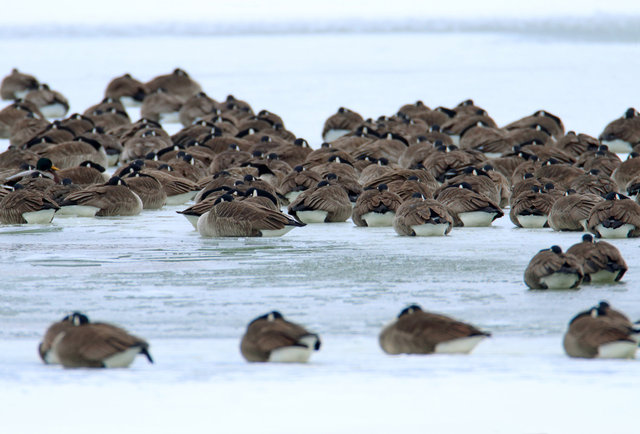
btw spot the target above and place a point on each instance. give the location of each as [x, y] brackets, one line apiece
[419, 216]
[600, 332]
[571, 211]
[74, 342]
[577, 144]
[113, 198]
[177, 83]
[196, 107]
[128, 90]
[447, 161]
[603, 160]
[391, 147]
[376, 207]
[44, 166]
[179, 190]
[462, 121]
[323, 203]
[552, 269]
[415, 331]
[406, 188]
[231, 218]
[26, 206]
[478, 179]
[531, 209]
[23, 129]
[601, 261]
[161, 106]
[594, 182]
[467, 207]
[271, 338]
[560, 173]
[623, 133]
[17, 85]
[71, 154]
[628, 170]
[207, 199]
[148, 188]
[294, 153]
[298, 181]
[111, 144]
[52, 104]
[616, 217]
[340, 123]
[11, 115]
[86, 172]
[552, 123]
[492, 142]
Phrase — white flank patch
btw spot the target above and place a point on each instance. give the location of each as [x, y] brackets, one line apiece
[112, 159]
[476, 219]
[583, 222]
[618, 146]
[491, 155]
[560, 280]
[78, 211]
[532, 221]
[456, 139]
[430, 230]
[51, 357]
[202, 227]
[127, 101]
[169, 118]
[277, 232]
[292, 195]
[376, 219]
[604, 276]
[317, 216]
[459, 346]
[290, 355]
[39, 217]
[56, 110]
[122, 359]
[21, 93]
[618, 350]
[332, 135]
[193, 219]
[180, 199]
[621, 232]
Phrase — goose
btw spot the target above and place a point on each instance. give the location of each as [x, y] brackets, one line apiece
[478, 179]
[601, 261]
[230, 218]
[571, 211]
[86, 172]
[128, 90]
[178, 83]
[467, 207]
[294, 153]
[340, 123]
[52, 104]
[376, 207]
[114, 198]
[271, 338]
[12, 115]
[73, 153]
[623, 133]
[161, 106]
[552, 123]
[627, 171]
[196, 107]
[600, 332]
[324, 203]
[297, 181]
[616, 217]
[531, 209]
[419, 216]
[205, 203]
[75, 342]
[406, 188]
[594, 182]
[552, 269]
[148, 188]
[26, 206]
[415, 331]
[17, 85]
[179, 190]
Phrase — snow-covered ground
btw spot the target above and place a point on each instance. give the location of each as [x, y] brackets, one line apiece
[192, 297]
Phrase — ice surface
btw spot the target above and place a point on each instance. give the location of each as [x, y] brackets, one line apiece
[192, 297]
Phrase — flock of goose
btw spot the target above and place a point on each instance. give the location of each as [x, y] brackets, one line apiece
[421, 171]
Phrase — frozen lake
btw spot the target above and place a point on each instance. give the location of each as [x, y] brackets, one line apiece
[192, 297]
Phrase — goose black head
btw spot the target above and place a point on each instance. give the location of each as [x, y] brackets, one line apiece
[322, 184]
[165, 167]
[116, 180]
[556, 249]
[535, 188]
[630, 113]
[301, 142]
[417, 196]
[587, 238]
[298, 168]
[325, 145]
[223, 198]
[612, 195]
[76, 318]
[331, 177]
[383, 187]
[271, 316]
[248, 178]
[464, 185]
[409, 310]
[256, 192]
[93, 165]
[383, 162]
[66, 181]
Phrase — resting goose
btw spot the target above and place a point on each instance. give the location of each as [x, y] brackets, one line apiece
[376, 207]
[615, 217]
[419, 216]
[113, 198]
[324, 203]
[552, 269]
[601, 261]
[271, 338]
[26, 206]
[415, 331]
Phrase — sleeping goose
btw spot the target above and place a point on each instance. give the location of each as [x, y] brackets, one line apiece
[467, 207]
[615, 217]
[601, 261]
[271, 338]
[571, 211]
[74, 342]
[376, 207]
[26, 206]
[623, 133]
[419, 216]
[552, 269]
[324, 203]
[113, 198]
[128, 90]
[17, 85]
[415, 331]
[231, 218]
[600, 332]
